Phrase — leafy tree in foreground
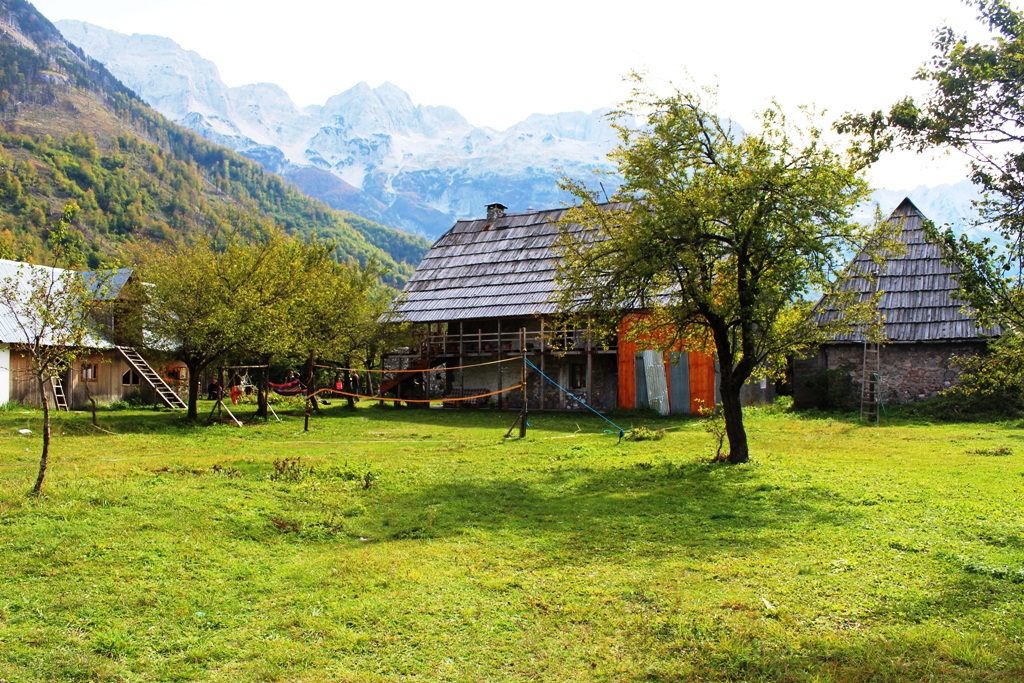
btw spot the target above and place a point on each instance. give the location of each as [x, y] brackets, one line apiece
[338, 315]
[210, 298]
[724, 237]
[50, 307]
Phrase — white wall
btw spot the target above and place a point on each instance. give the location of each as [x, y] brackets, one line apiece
[5, 374]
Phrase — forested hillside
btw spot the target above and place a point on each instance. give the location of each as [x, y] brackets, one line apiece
[69, 131]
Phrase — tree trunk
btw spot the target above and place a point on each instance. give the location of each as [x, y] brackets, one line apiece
[311, 382]
[732, 410]
[262, 398]
[193, 393]
[347, 383]
[46, 441]
[88, 395]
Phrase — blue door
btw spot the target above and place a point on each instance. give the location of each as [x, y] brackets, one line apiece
[641, 382]
[679, 378]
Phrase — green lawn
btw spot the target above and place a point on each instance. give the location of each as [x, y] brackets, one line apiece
[421, 545]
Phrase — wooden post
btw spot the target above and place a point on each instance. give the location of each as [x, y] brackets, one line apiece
[311, 381]
[543, 349]
[501, 397]
[590, 365]
[88, 395]
[306, 426]
[426, 375]
[522, 421]
[462, 361]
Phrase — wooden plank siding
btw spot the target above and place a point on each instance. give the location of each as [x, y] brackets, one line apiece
[627, 368]
[108, 385]
[702, 381]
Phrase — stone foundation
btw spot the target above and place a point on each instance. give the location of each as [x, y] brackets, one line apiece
[908, 372]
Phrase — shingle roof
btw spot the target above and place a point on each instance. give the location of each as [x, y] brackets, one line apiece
[917, 288]
[487, 269]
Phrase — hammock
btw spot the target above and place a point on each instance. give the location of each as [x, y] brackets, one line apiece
[293, 388]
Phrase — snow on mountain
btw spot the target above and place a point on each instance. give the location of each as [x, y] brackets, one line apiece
[374, 152]
[369, 150]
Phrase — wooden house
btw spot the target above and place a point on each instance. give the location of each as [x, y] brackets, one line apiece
[925, 329]
[486, 287]
[109, 368]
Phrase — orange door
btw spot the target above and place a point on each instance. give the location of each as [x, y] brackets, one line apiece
[702, 381]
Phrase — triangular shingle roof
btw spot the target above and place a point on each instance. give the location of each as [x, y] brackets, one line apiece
[483, 268]
[917, 303]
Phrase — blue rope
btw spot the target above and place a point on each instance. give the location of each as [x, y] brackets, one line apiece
[572, 395]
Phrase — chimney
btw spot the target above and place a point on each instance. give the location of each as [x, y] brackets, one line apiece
[495, 211]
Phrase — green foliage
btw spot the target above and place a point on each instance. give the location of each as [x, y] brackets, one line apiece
[48, 312]
[645, 434]
[975, 105]
[135, 174]
[722, 236]
[990, 384]
[713, 422]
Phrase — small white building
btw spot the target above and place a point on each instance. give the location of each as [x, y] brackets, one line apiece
[109, 367]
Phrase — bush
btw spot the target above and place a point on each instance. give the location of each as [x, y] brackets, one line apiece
[644, 434]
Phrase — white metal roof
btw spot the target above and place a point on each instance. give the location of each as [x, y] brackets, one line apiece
[14, 328]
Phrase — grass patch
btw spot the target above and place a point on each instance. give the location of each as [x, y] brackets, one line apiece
[396, 544]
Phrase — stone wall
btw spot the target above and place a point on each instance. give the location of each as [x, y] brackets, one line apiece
[908, 372]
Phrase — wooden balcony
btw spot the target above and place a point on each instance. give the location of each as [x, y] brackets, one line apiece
[505, 343]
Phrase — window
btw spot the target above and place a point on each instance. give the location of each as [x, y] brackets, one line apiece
[89, 372]
[130, 379]
[577, 376]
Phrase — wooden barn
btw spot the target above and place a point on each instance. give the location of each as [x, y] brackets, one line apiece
[486, 280]
[925, 328]
[109, 368]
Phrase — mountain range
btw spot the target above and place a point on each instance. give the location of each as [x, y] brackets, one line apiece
[73, 136]
[368, 150]
[375, 153]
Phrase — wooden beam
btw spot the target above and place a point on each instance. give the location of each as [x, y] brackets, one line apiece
[501, 402]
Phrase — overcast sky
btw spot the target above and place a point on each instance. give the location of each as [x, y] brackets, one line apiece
[499, 62]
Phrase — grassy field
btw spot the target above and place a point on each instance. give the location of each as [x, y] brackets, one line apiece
[396, 544]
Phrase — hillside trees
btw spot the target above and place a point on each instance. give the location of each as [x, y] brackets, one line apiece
[723, 236]
[71, 132]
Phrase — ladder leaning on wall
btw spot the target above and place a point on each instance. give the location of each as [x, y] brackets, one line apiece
[870, 392]
[60, 400]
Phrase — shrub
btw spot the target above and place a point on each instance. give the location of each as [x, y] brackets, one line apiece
[713, 423]
[644, 434]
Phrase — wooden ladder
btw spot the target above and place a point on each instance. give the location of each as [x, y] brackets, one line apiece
[60, 400]
[870, 392]
[152, 378]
